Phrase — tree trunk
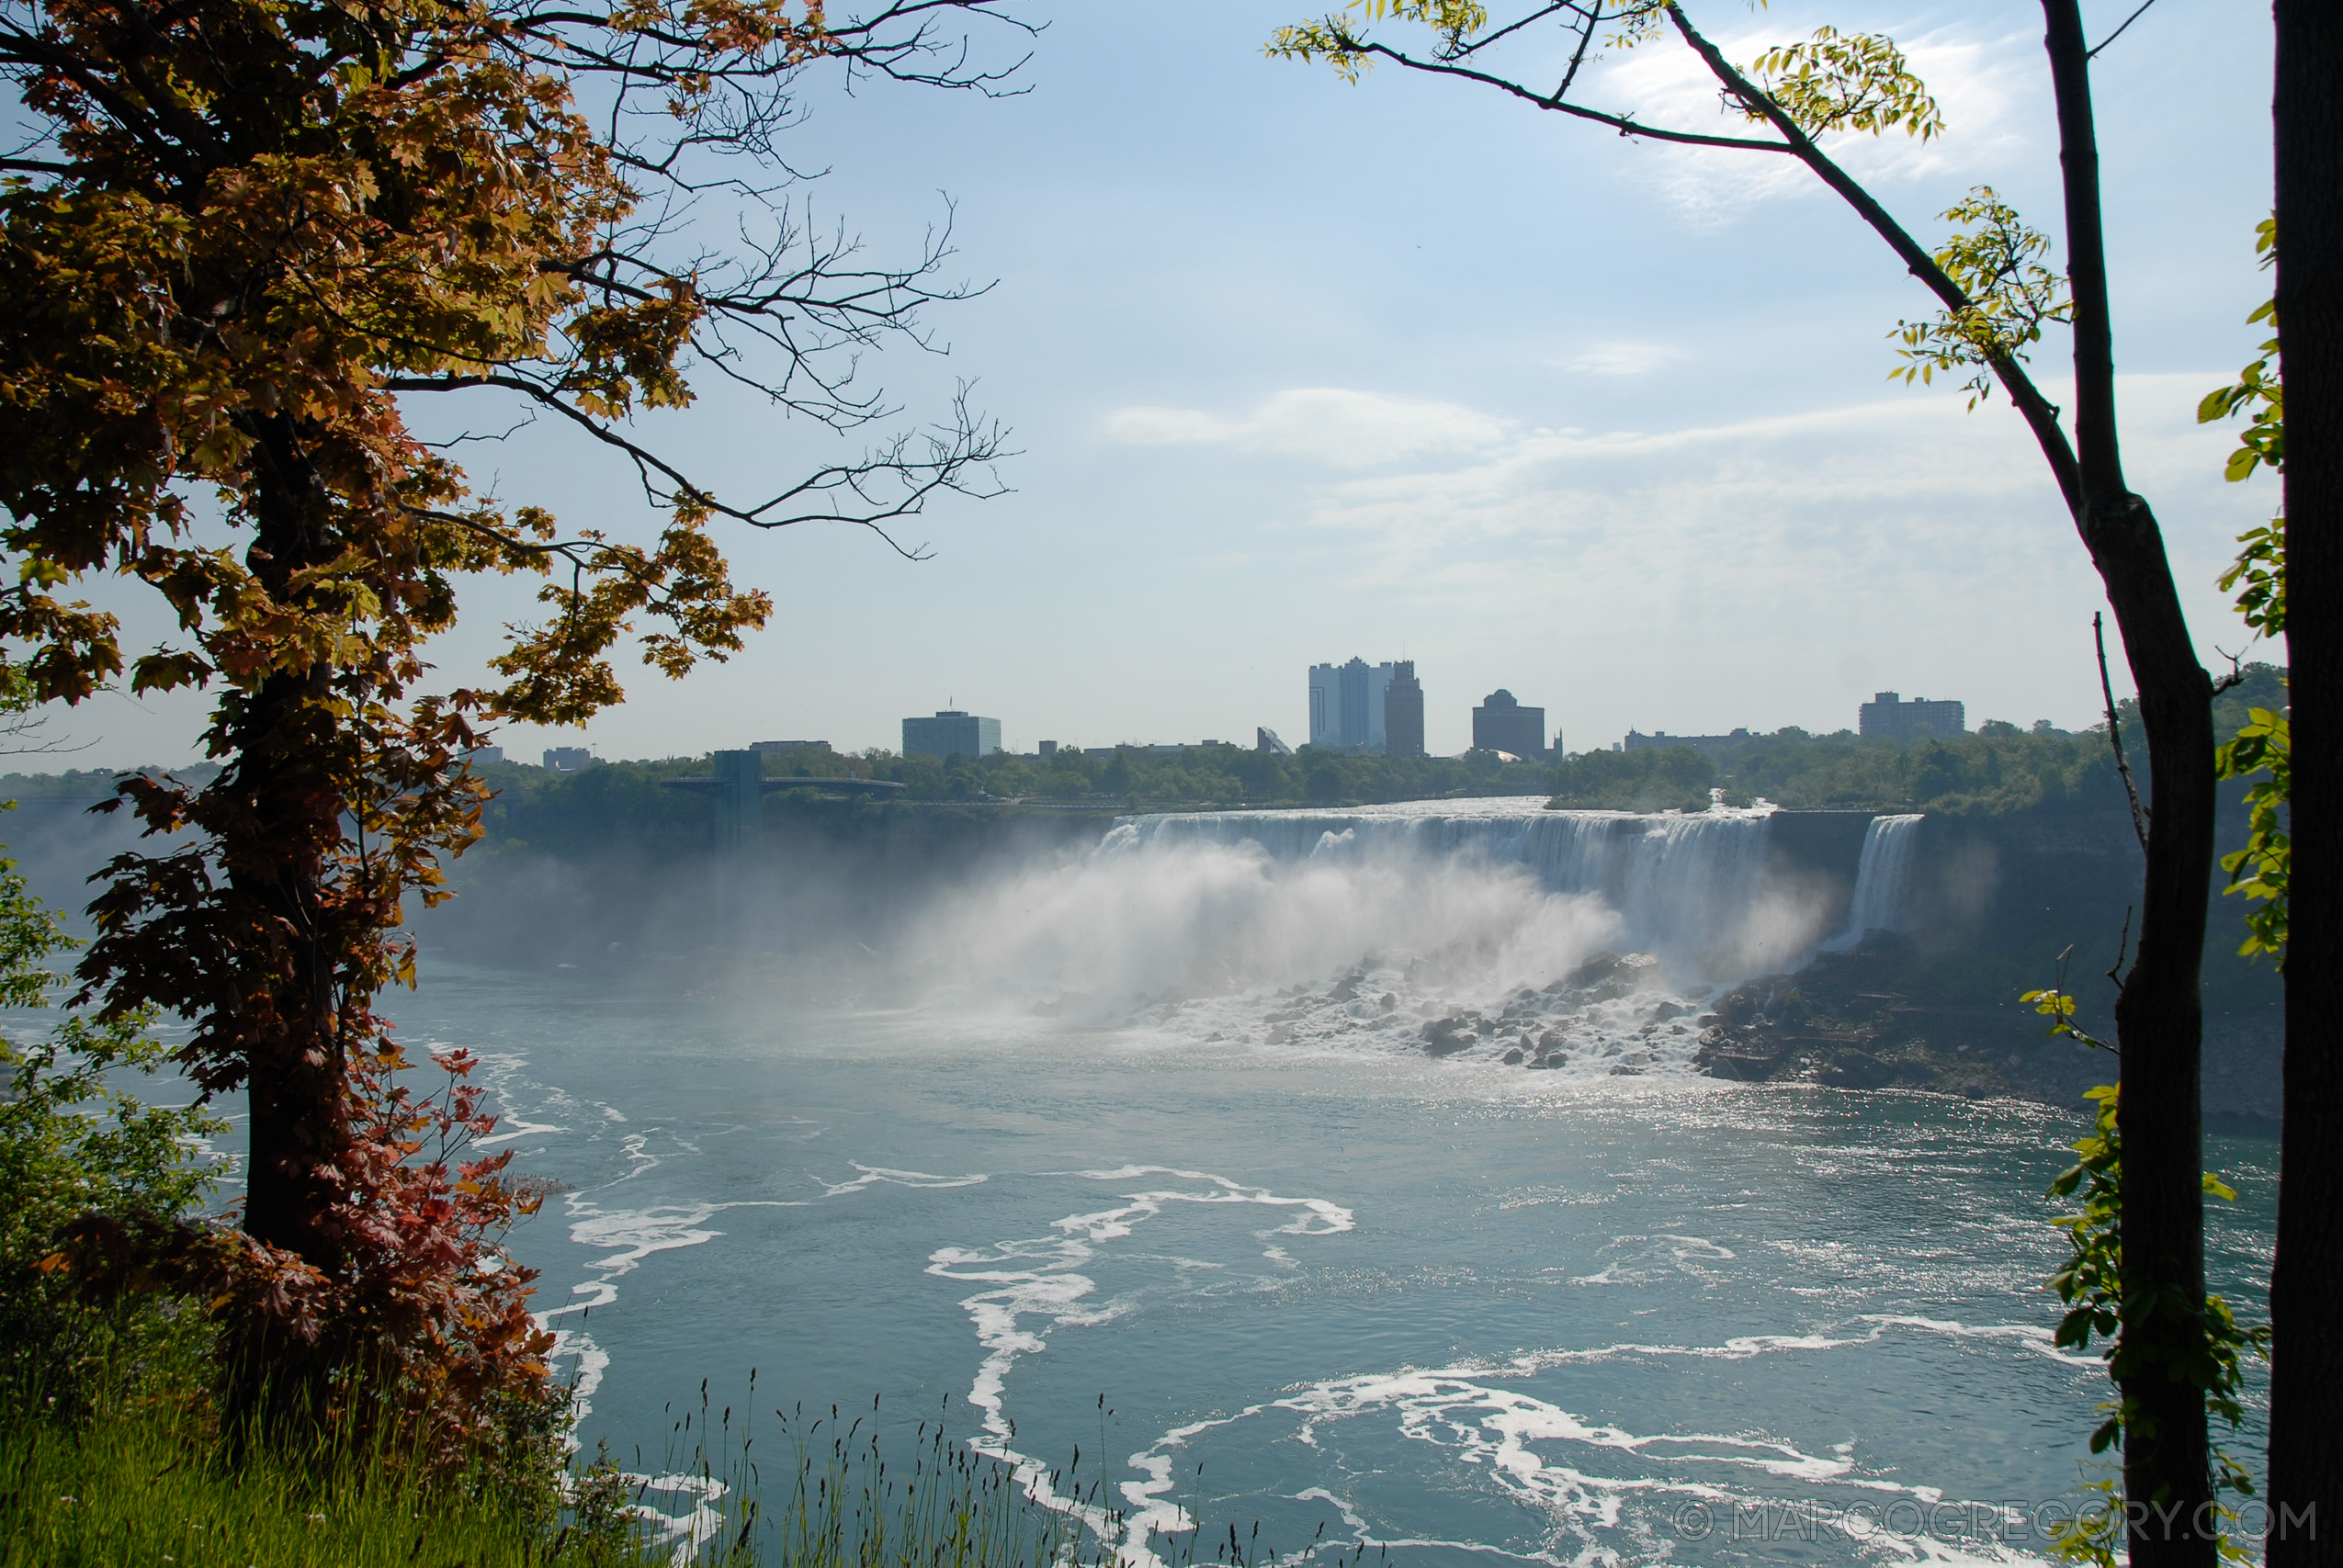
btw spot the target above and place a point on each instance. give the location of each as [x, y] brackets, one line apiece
[283, 792]
[2160, 1018]
[2306, 1281]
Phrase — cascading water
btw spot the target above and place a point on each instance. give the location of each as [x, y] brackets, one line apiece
[1882, 879]
[1490, 927]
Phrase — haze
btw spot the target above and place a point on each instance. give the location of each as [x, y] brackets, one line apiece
[1298, 370]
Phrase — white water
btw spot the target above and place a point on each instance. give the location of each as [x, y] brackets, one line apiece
[1883, 879]
[1353, 931]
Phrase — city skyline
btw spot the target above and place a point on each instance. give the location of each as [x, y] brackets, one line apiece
[1712, 513]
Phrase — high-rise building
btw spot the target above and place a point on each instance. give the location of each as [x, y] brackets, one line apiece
[567, 759]
[1403, 711]
[1888, 717]
[1346, 704]
[1502, 724]
[950, 731]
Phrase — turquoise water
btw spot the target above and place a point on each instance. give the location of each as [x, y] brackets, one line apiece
[1450, 1310]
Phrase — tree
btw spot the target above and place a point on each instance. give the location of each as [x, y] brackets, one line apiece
[1996, 299]
[2306, 1278]
[240, 236]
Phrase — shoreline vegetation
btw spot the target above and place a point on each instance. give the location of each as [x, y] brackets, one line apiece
[122, 1440]
[1997, 770]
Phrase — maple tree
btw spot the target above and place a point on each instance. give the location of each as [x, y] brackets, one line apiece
[241, 238]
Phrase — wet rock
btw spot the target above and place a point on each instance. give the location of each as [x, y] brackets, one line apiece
[1386, 1001]
[1594, 971]
[1512, 1056]
[1280, 1033]
[1725, 1055]
[1856, 1070]
[1666, 1010]
[1446, 1036]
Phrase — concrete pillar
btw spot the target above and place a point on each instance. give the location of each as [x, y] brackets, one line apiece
[740, 811]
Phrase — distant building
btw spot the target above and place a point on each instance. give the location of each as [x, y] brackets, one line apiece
[1403, 711]
[1660, 741]
[484, 754]
[1502, 724]
[1048, 749]
[1151, 747]
[789, 746]
[1265, 739]
[949, 731]
[569, 759]
[1889, 718]
[1346, 704]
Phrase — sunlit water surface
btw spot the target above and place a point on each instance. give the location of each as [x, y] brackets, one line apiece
[1451, 1310]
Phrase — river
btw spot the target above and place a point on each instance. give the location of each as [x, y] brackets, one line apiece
[1140, 1151]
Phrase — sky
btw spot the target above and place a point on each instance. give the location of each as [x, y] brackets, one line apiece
[1297, 370]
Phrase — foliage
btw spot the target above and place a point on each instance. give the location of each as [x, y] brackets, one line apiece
[1994, 260]
[239, 233]
[2258, 392]
[2207, 1351]
[148, 1480]
[418, 1331]
[2262, 749]
[571, 812]
[1670, 778]
[72, 1143]
[1839, 81]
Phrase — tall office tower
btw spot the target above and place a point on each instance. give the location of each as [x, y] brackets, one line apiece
[1890, 717]
[1403, 711]
[1502, 724]
[1346, 704]
[951, 730]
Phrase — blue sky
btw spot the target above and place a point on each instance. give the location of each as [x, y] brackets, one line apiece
[1298, 370]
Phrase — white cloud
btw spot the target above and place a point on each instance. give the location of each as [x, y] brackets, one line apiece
[1621, 357]
[1721, 564]
[1329, 425]
[1976, 80]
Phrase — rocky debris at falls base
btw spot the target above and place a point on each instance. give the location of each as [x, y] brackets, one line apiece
[1844, 1020]
[1549, 1027]
[1840, 1022]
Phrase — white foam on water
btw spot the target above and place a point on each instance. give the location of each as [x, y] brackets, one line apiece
[1467, 1410]
[873, 1175]
[1036, 1278]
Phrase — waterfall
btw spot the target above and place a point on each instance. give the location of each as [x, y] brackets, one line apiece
[1882, 879]
[1682, 885]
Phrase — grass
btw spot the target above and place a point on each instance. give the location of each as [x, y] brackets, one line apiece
[152, 1482]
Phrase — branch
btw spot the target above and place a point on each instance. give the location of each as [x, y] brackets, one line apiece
[2093, 53]
[1625, 125]
[962, 447]
[2115, 738]
[2040, 415]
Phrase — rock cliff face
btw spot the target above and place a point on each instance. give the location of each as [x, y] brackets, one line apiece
[1992, 905]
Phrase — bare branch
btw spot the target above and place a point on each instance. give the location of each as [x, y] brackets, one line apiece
[2115, 736]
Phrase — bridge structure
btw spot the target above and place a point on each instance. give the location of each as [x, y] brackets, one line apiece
[740, 787]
